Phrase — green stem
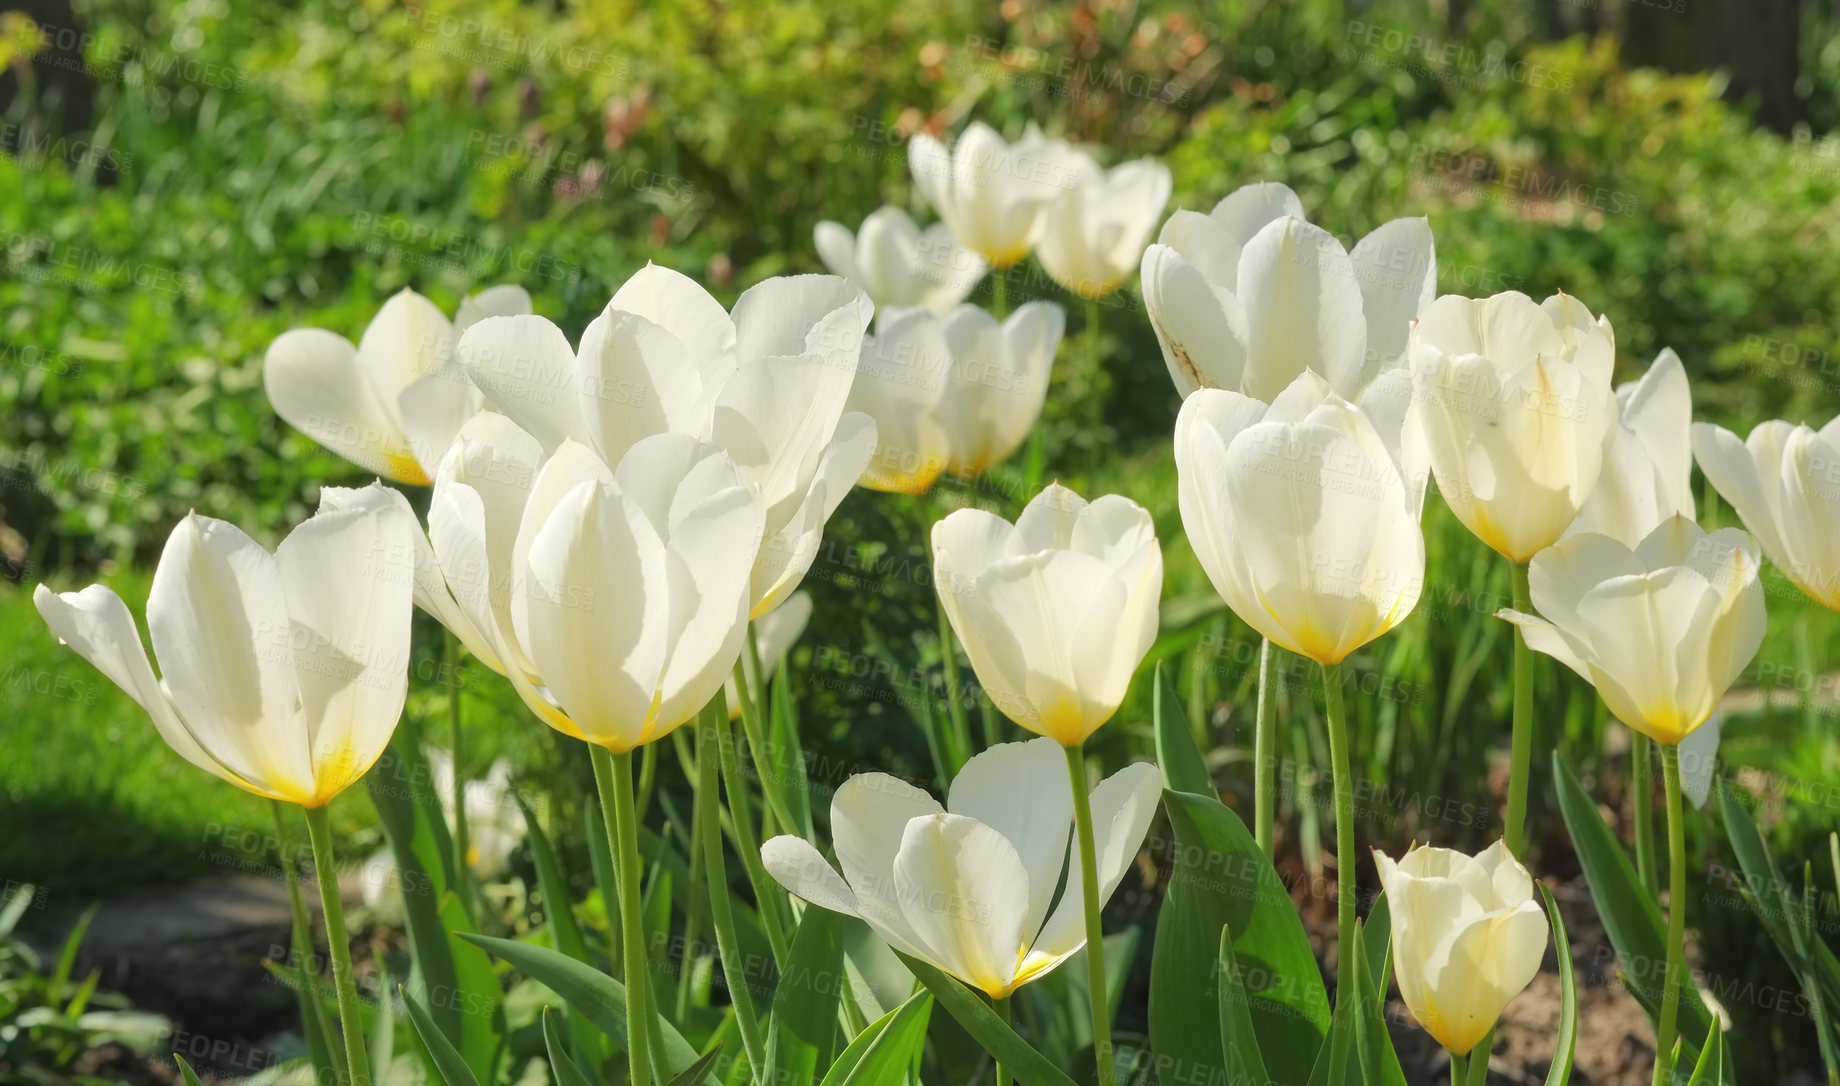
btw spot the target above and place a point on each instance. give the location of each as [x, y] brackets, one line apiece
[702, 779]
[948, 652]
[1001, 1006]
[999, 288]
[1641, 782]
[1457, 1070]
[1478, 1060]
[757, 742]
[1344, 861]
[1265, 749]
[1521, 759]
[1095, 935]
[613, 775]
[326, 873]
[709, 731]
[767, 893]
[303, 935]
[1677, 915]
[450, 662]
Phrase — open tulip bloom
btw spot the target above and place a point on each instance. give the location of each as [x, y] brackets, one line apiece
[1784, 481]
[957, 394]
[767, 384]
[393, 403]
[1250, 295]
[992, 194]
[1468, 937]
[1648, 476]
[281, 673]
[1096, 228]
[898, 264]
[970, 887]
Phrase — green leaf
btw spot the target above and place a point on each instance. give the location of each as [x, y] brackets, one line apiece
[588, 991]
[564, 930]
[383, 1030]
[1762, 882]
[786, 757]
[455, 982]
[67, 958]
[1184, 768]
[803, 1028]
[1028, 1066]
[1223, 880]
[1374, 1045]
[16, 907]
[185, 1070]
[1561, 1071]
[1710, 1071]
[447, 1059]
[886, 1048]
[1238, 1040]
[1380, 966]
[698, 1071]
[1631, 918]
[1343, 1021]
[560, 1065]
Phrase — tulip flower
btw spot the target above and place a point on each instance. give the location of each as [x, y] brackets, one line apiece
[991, 194]
[393, 403]
[1250, 295]
[1518, 412]
[959, 394]
[1648, 475]
[282, 673]
[1096, 228]
[1055, 612]
[1303, 513]
[899, 265]
[1468, 937]
[767, 384]
[777, 631]
[1781, 480]
[1662, 631]
[495, 822]
[970, 887]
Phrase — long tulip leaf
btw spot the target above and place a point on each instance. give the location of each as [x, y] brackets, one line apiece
[1560, 1074]
[560, 1064]
[447, 1059]
[885, 1049]
[803, 1028]
[1018, 1057]
[1710, 1071]
[1238, 1040]
[1184, 768]
[1379, 1060]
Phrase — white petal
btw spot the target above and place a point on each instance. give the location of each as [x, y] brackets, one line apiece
[525, 367]
[1122, 808]
[1397, 269]
[315, 382]
[683, 308]
[869, 816]
[508, 300]
[1199, 326]
[1303, 310]
[1021, 791]
[965, 893]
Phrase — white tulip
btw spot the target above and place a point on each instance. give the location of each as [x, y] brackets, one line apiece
[1517, 410]
[494, 823]
[1649, 474]
[970, 887]
[1661, 630]
[1056, 611]
[991, 194]
[1468, 937]
[959, 394]
[281, 673]
[1250, 295]
[768, 384]
[1784, 481]
[775, 633]
[1304, 514]
[393, 403]
[899, 265]
[616, 598]
[1097, 227]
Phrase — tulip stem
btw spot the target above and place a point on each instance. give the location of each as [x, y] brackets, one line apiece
[303, 937]
[1344, 862]
[1641, 783]
[326, 873]
[767, 893]
[613, 775]
[450, 661]
[1001, 1006]
[1095, 933]
[1265, 750]
[757, 743]
[999, 282]
[1457, 1070]
[709, 741]
[961, 731]
[1520, 760]
[1677, 915]
[702, 779]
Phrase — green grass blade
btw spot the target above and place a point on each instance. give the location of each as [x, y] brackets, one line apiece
[886, 1048]
[1561, 1071]
[1028, 1066]
[447, 1059]
[560, 1065]
[1239, 1042]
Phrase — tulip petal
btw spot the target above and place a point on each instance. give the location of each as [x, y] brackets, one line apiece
[1476, 972]
[677, 303]
[316, 382]
[1199, 325]
[526, 369]
[904, 373]
[1396, 267]
[869, 817]
[506, 300]
[1020, 790]
[637, 379]
[836, 247]
[799, 867]
[1303, 310]
[965, 893]
[1123, 807]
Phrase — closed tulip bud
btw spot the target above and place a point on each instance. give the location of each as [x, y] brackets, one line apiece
[1096, 228]
[899, 265]
[1649, 474]
[1662, 630]
[1784, 481]
[1468, 937]
[1056, 611]
[970, 887]
[1304, 514]
[281, 673]
[393, 403]
[991, 194]
[1518, 413]
[615, 598]
[1251, 295]
[767, 384]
